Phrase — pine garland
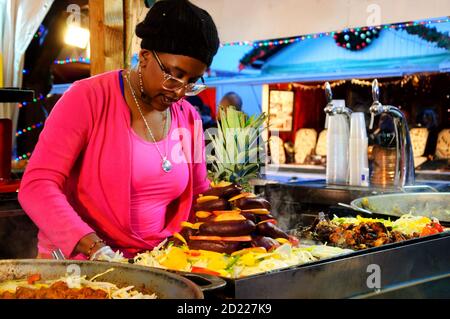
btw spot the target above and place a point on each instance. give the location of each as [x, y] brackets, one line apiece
[260, 53]
[352, 40]
[432, 35]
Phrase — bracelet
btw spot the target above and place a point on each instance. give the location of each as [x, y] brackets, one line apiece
[92, 246]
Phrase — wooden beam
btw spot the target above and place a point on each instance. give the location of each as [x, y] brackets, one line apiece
[134, 12]
[97, 42]
[106, 24]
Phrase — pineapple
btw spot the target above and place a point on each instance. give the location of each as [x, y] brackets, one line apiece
[228, 217]
[237, 149]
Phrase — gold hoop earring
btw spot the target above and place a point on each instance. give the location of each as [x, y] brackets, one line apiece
[141, 85]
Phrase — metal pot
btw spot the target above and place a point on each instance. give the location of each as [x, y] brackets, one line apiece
[165, 284]
[423, 204]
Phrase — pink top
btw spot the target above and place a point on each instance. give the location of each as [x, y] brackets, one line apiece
[78, 180]
[152, 189]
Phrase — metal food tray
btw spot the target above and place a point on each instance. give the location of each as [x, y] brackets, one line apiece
[402, 265]
[423, 204]
[405, 266]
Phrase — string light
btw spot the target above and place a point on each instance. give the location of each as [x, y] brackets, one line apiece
[23, 157]
[73, 60]
[402, 82]
[35, 100]
[326, 34]
[29, 128]
[318, 86]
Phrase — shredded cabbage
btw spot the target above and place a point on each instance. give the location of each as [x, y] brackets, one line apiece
[410, 224]
[358, 219]
[245, 264]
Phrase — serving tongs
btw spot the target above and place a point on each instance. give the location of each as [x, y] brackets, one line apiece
[58, 254]
[355, 208]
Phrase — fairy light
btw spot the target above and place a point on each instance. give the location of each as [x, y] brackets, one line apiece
[34, 101]
[317, 86]
[23, 157]
[73, 60]
[402, 82]
[327, 34]
[29, 128]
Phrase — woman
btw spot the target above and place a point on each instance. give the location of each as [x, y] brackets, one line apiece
[121, 155]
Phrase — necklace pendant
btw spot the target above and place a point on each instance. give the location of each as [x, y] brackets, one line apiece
[166, 165]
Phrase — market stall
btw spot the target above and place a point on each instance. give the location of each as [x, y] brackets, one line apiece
[281, 234]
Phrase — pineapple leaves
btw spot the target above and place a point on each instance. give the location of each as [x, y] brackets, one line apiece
[236, 147]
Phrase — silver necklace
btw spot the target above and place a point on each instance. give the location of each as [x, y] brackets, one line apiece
[165, 164]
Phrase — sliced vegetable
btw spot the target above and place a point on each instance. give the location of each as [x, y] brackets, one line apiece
[175, 259]
[180, 238]
[202, 214]
[242, 195]
[186, 224]
[220, 184]
[258, 250]
[201, 270]
[437, 226]
[193, 253]
[33, 278]
[257, 211]
[273, 221]
[220, 212]
[229, 216]
[213, 238]
[190, 225]
[282, 240]
[204, 199]
[294, 241]
[431, 229]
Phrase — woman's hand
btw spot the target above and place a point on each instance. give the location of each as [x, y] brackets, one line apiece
[106, 254]
[89, 244]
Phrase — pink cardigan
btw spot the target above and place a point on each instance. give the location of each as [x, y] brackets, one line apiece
[78, 179]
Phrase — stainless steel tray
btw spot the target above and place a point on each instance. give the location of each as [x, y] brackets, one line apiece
[423, 204]
[351, 276]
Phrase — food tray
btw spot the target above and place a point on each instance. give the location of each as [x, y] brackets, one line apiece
[346, 276]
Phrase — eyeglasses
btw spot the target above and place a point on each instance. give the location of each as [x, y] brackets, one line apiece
[172, 83]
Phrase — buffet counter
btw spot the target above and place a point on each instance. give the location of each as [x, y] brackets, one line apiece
[416, 268]
[297, 199]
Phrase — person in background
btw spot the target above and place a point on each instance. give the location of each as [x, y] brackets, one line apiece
[203, 110]
[428, 118]
[108, 173]
[230, 98]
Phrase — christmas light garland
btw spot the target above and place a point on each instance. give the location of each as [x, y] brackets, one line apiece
[402, 82]
[289, 40]
[35, 100]
[29, 128]
[23, 157]
[317, 86]
[73, 60]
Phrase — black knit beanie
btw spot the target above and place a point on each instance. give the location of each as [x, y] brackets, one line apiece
[179, 27]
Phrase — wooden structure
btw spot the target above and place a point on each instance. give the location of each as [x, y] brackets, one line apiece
[113, 22]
